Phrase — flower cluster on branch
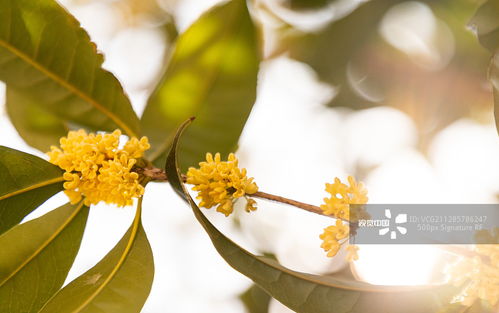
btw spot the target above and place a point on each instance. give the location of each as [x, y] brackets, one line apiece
[338, 206]
[97, 169]
[219, 183]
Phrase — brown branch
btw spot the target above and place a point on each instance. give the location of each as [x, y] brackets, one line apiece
[298, 204]
[159, 175]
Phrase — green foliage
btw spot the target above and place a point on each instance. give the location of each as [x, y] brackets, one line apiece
[308, 293]
[307, 4]
[37, 126]
[212, 75]
[36, 256]
[26, 182]
[119, 283]
[486, 23]
[46, 56]
[330, 50]
[255, 300]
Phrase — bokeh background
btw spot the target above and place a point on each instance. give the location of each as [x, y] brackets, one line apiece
[392, 92]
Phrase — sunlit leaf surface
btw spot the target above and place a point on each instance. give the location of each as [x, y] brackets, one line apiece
[26, 181]
[119, 283]
[38, 127]
[49, 58]
[35, 257]
[212, 75]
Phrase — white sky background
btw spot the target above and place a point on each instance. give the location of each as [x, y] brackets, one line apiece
[292, 145]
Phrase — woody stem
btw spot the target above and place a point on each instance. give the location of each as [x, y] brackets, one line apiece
[159, 175]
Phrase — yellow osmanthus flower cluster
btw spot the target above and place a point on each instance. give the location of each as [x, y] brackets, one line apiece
[97, 169]
[479, 274]
[331, 237]
[338, 206]
[221, 183]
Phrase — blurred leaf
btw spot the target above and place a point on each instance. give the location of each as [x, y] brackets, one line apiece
[486, 22]
[38, 127]
[330, 50]
[119, 283]
[307, 293]
[47, 56]
[212, 75]
[36, 256]
[26, 182]
[494, 79]
[307, 4]
[255, 300]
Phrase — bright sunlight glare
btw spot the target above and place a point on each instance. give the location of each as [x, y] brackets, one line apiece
[396, 264]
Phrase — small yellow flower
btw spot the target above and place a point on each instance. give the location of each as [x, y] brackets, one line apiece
[480, 274]
[331, 237]
[221, 183]
[352, 253]
[338, 206]
[97, 169]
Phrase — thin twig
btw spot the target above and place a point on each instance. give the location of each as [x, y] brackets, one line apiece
[159, 175]
[304, 206]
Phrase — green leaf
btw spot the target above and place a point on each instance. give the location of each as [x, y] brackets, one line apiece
[47, 56]
[36, 256]
[340, 44]
[38, 127]
[308, 293]
[486, 23]
[212, 75]
[494, 79]
[26, 182]
[255, 300]
[119, 283]
[307, 4]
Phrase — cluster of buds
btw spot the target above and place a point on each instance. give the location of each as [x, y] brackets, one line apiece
[221, 183]
[96, 169]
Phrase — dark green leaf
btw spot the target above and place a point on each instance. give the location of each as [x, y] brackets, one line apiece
[38, 127]
[486, 24]
[119, 283]
[212, 75]
[307, 4]
[330, 50]
[26, 182]
[255, 300]
[46, 55]
[494, 79]
[308, 293]
[36, 256]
